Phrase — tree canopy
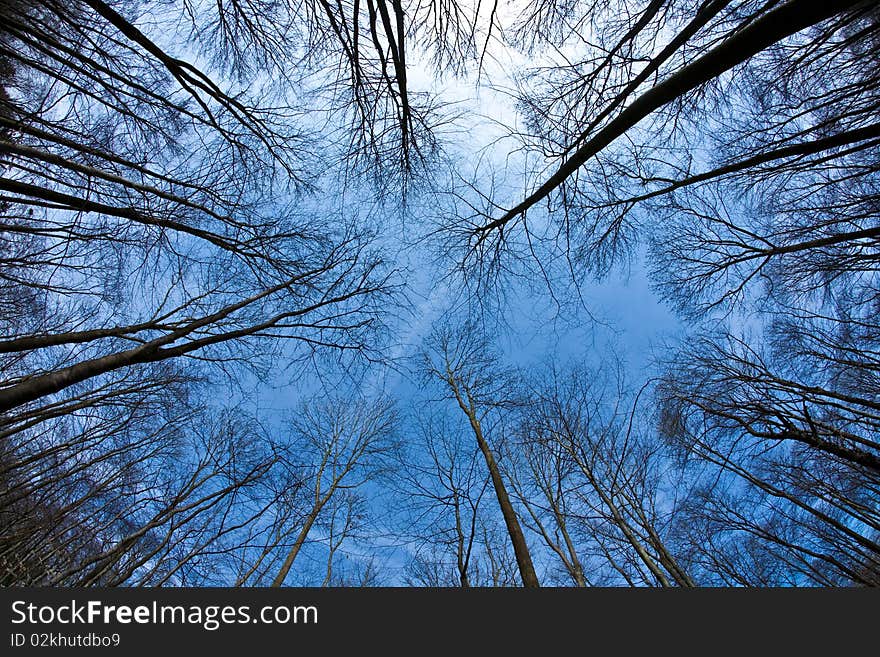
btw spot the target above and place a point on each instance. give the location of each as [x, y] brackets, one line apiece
[260, 265]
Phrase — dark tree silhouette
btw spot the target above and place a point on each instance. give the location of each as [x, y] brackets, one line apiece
[463, 362]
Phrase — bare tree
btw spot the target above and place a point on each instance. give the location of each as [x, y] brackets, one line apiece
[632, 103]
[758, 30]
[599, 487]
[544, 477]
[143, 492]
[805, 450]
[345, 441]
[463, 362]
[440, 484]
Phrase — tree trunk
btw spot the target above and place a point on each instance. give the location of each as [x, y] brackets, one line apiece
[773, 26]
[520, 548]
[297, 546]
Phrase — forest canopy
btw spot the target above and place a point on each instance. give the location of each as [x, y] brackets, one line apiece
[282, 286]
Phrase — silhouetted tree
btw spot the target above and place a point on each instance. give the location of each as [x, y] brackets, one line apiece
[463, 362]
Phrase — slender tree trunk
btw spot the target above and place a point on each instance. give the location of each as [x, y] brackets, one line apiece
[520, 548]
[462, 559]
[575, 566]
[517, 538]
[297, 546]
